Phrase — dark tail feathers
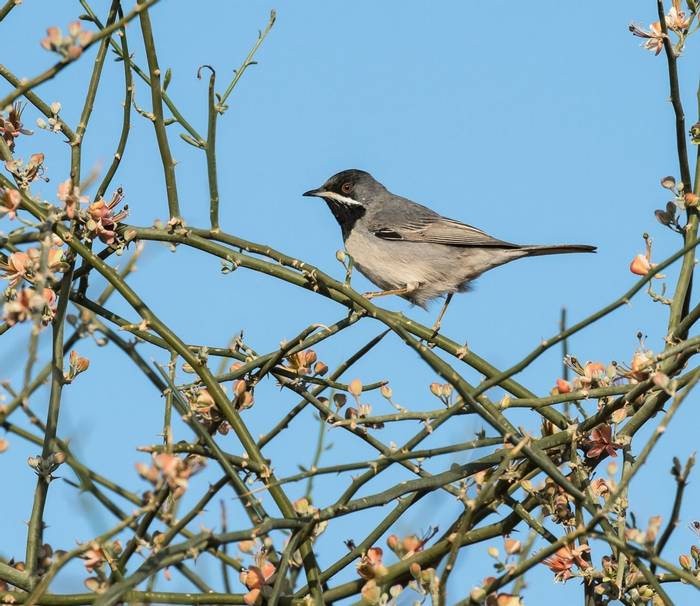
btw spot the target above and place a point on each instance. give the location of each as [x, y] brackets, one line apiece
[558, 249]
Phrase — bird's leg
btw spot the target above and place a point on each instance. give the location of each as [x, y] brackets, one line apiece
[436, 326]
[409, 288]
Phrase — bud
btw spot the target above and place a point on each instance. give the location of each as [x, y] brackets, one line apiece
[436, 389]
[386, 392]
[477, 594]
[320, 368]
[340, 255]
[563, 386]
[493, 552]
[513, 546]
[668, 183]
[684, 561]
[415, 570]
[392, 542]
[640, 265]
[695, 552]
[355, 388]
[691, 199]
[55, 107]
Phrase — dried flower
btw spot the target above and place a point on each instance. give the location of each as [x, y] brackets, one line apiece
[601, 442]
[11, 124]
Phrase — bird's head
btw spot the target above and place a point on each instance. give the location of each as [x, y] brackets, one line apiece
[351, 189]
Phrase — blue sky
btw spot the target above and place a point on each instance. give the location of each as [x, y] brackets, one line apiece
[538, 123]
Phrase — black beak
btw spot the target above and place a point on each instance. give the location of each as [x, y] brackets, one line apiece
[313, 192]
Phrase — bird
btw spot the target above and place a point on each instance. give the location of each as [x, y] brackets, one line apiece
[409, 250]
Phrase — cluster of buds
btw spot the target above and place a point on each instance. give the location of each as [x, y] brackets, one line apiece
[258, 580]
[304, 508]
[28, 303]
[479, 595]
[53, 123]
[306, 363]
[681, 200]
[172, 470]
[555, 502]
[206, 412]
[425, 582]
[44, 467]
[243, 397]
[691, 562]
[97, 554]
[76, 365]
[11, 124]
[362, 411]
[70, 46]
[23, 173]
[442, 391]
[563, 561]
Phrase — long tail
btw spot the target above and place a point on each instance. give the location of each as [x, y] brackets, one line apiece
[557, 249]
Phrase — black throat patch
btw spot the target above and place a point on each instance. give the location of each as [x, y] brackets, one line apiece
[345, 214]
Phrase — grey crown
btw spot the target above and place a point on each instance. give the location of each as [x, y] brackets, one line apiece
[399, 244]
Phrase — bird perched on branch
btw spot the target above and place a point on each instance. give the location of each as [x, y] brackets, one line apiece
[406, 249]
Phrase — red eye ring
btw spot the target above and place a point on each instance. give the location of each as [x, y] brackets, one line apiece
[346, 187]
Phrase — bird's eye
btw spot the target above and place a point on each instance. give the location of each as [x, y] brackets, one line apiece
[346, 187]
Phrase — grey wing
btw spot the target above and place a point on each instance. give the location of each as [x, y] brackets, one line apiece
[416, 223]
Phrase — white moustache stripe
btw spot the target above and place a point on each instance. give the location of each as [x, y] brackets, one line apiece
[338, 198]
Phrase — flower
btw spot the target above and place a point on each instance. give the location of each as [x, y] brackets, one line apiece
[600, 487]
[370, 565]
[27, 302]
[676, 19]
[564, 560]
[654, 37]
[71, 198]
[257, 578]
[69, 47]
[601, 442]
[9, 202]
[172, 469]
[16, 268]
[25, 175]
[103, 220]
